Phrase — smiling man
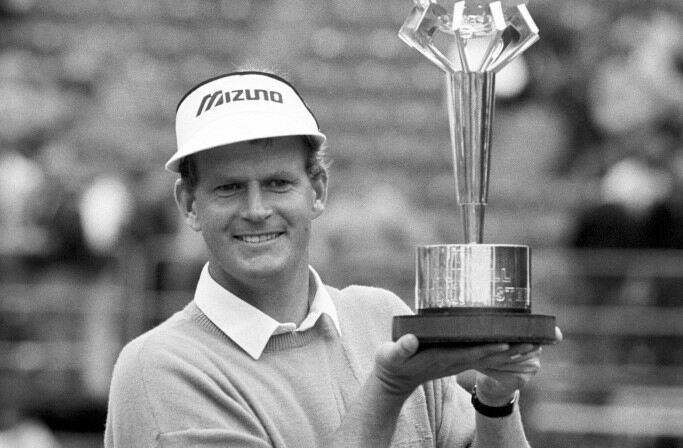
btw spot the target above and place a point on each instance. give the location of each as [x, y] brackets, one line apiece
[253, 204]
[267, 355]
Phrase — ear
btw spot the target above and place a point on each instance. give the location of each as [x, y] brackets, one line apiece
[320, 189]
[185, 200]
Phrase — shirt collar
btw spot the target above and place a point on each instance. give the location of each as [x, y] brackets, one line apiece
[246, 325]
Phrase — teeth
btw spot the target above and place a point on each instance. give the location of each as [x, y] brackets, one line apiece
[258, 238]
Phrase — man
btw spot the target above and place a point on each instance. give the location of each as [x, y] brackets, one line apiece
[266, 355]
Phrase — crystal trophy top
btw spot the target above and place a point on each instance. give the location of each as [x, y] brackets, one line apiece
[504, 26]
[486, 36]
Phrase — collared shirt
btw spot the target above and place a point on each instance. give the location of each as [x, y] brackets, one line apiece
[246, 325]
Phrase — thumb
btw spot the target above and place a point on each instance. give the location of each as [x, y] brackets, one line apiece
[404, 348]
[396, 353]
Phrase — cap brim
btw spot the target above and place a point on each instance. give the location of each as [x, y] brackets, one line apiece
[243, 127]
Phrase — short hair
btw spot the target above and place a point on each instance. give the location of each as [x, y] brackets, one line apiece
[316, 161]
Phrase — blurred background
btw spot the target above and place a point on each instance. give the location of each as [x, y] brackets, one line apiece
[587, 169]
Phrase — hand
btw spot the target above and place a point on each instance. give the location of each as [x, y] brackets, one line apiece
[497, 383]
[400, 368]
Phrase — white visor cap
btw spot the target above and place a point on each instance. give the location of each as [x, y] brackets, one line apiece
[238, 107]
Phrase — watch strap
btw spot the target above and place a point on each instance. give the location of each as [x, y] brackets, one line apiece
[493, 411]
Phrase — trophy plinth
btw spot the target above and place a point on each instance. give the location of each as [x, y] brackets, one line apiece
[472, 293]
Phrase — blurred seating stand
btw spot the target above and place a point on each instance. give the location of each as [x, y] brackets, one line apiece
[618, 375]
[60, 333]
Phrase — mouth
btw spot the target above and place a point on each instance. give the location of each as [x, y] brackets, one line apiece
[260, 238]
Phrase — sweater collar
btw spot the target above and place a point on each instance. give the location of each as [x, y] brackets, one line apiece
[246, 325]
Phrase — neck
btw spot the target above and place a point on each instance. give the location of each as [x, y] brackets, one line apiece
[285, 298]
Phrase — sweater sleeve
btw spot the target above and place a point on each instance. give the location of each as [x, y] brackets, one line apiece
[159, 398]
[129, 421]
[453, 414]
[449, 412]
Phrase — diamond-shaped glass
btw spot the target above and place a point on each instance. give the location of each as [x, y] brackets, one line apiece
[486, 34]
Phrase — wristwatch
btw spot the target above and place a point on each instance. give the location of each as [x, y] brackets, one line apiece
[493, 411]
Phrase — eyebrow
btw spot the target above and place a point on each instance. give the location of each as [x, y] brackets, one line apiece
[282, 173]
[236, 178]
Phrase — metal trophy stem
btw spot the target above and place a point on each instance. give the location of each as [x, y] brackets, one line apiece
[470, 99]
[472, 293]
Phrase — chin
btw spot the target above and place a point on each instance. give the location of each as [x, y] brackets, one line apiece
[266, 268]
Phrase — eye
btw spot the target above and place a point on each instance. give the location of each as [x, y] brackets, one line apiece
[279, 185]
[228, 189]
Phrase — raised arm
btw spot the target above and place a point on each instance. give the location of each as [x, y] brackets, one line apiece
[400, 368]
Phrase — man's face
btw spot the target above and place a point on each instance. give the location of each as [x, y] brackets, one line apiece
[254, 205]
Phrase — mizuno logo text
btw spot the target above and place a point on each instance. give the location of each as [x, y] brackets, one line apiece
[220, 97]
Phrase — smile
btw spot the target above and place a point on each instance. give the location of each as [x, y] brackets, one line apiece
[262, 238]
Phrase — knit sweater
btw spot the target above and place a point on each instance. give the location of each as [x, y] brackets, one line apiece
[186, 384]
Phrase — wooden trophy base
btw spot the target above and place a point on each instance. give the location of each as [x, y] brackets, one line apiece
[465, 328]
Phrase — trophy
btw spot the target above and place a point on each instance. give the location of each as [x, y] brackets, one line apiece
[472, 293]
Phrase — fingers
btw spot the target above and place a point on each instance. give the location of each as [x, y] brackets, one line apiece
[402, 357]
[524, 351]
[476, 353]
[522, 357]
[558, 335]
[452, 361]
[514, 351]
[512, 377]
[400, 367]
[514, 368]
[519, 353]
[448, 359]
[528, 366]
[536, 352]
[491, 349]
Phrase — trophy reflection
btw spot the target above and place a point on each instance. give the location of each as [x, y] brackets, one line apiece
[472, 293]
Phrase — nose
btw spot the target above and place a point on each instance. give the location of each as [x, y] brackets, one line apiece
[255, 209]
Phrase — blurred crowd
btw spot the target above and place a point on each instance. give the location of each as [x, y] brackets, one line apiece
[636, 112]
[84, 129]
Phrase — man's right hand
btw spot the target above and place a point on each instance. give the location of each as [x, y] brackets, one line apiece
[400, 368]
